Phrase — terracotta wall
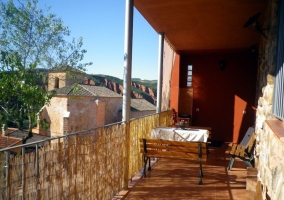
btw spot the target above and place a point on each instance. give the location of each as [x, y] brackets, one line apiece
[222, 95]
[174, 90]
[185, 102]
[86, 112]
[54, 114]
[81, 113]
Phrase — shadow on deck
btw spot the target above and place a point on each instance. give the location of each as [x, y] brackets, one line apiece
[178, 179]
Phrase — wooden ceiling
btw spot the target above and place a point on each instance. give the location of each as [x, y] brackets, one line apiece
[197, 25]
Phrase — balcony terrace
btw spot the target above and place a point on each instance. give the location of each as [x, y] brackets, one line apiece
[177, 179]
[98, 164]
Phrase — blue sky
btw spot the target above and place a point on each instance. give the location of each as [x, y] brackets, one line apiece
[101, 24]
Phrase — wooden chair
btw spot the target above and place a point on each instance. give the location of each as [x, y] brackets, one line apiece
[244, 150]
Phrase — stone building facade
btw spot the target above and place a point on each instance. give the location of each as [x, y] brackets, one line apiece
[80, 107]
[64, 76]
[269, 130]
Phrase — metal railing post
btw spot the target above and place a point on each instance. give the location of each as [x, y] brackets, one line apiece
[36, 164]
[7, 174]
[23, 173]
[36, 170]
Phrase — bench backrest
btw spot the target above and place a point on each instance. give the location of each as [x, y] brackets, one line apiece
[173, 149]
[246, 139]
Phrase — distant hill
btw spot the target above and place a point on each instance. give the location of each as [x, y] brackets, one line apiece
[146, 89]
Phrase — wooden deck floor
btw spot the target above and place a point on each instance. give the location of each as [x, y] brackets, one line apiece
[178, 179]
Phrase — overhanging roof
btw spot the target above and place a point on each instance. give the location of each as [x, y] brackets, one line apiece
[194, 25]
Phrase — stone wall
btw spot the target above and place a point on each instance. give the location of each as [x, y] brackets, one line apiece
[269, 149]
[113, 105]
[270, 163]
[91, 112]
[54, 115]
[64, 79]
[71, 114]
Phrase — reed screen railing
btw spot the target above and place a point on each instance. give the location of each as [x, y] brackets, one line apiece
[91, 164]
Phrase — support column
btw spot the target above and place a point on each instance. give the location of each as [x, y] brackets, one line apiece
[7, 154]
[128, 37]
[160, 72]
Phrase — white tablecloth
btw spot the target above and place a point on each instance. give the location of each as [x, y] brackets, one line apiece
[177, 134]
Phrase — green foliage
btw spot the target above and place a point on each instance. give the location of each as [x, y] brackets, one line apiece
[21, 97]
[44, 124]
[111, 78]
[38, 36]
[142, 93]
[30, 38]
[95, 79]
[148, 83]
[136, 79]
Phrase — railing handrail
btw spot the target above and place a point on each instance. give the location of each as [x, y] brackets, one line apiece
[64, 136]
[53, 138]
[85, 155]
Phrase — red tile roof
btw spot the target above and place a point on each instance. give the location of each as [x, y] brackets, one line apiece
[8, 141]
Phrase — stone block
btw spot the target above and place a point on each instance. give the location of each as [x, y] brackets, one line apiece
[270, 79]
[251, 179]
[268, 94]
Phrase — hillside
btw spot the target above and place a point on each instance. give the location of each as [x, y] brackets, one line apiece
[146, 89]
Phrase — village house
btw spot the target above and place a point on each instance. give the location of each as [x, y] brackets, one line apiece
[77, 106]
[80, 107]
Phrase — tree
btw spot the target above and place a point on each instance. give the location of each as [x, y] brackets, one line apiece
[21, 92]
[31, 38]
[38, 37]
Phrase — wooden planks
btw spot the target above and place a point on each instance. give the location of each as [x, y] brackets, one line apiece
[157, 148]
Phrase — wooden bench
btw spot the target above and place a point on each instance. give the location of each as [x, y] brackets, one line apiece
[157, 148]
[244, 150]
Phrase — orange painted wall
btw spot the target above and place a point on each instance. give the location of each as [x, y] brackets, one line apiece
[222, 95]
[175, 83]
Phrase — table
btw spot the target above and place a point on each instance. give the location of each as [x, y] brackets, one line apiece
[177, 134]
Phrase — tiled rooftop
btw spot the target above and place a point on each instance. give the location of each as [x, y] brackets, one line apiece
[86, 90]
[142, 105]
[8, 141]
[14, 137]
[36, 137]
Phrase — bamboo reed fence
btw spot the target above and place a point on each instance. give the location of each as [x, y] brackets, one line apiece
[91, 164]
